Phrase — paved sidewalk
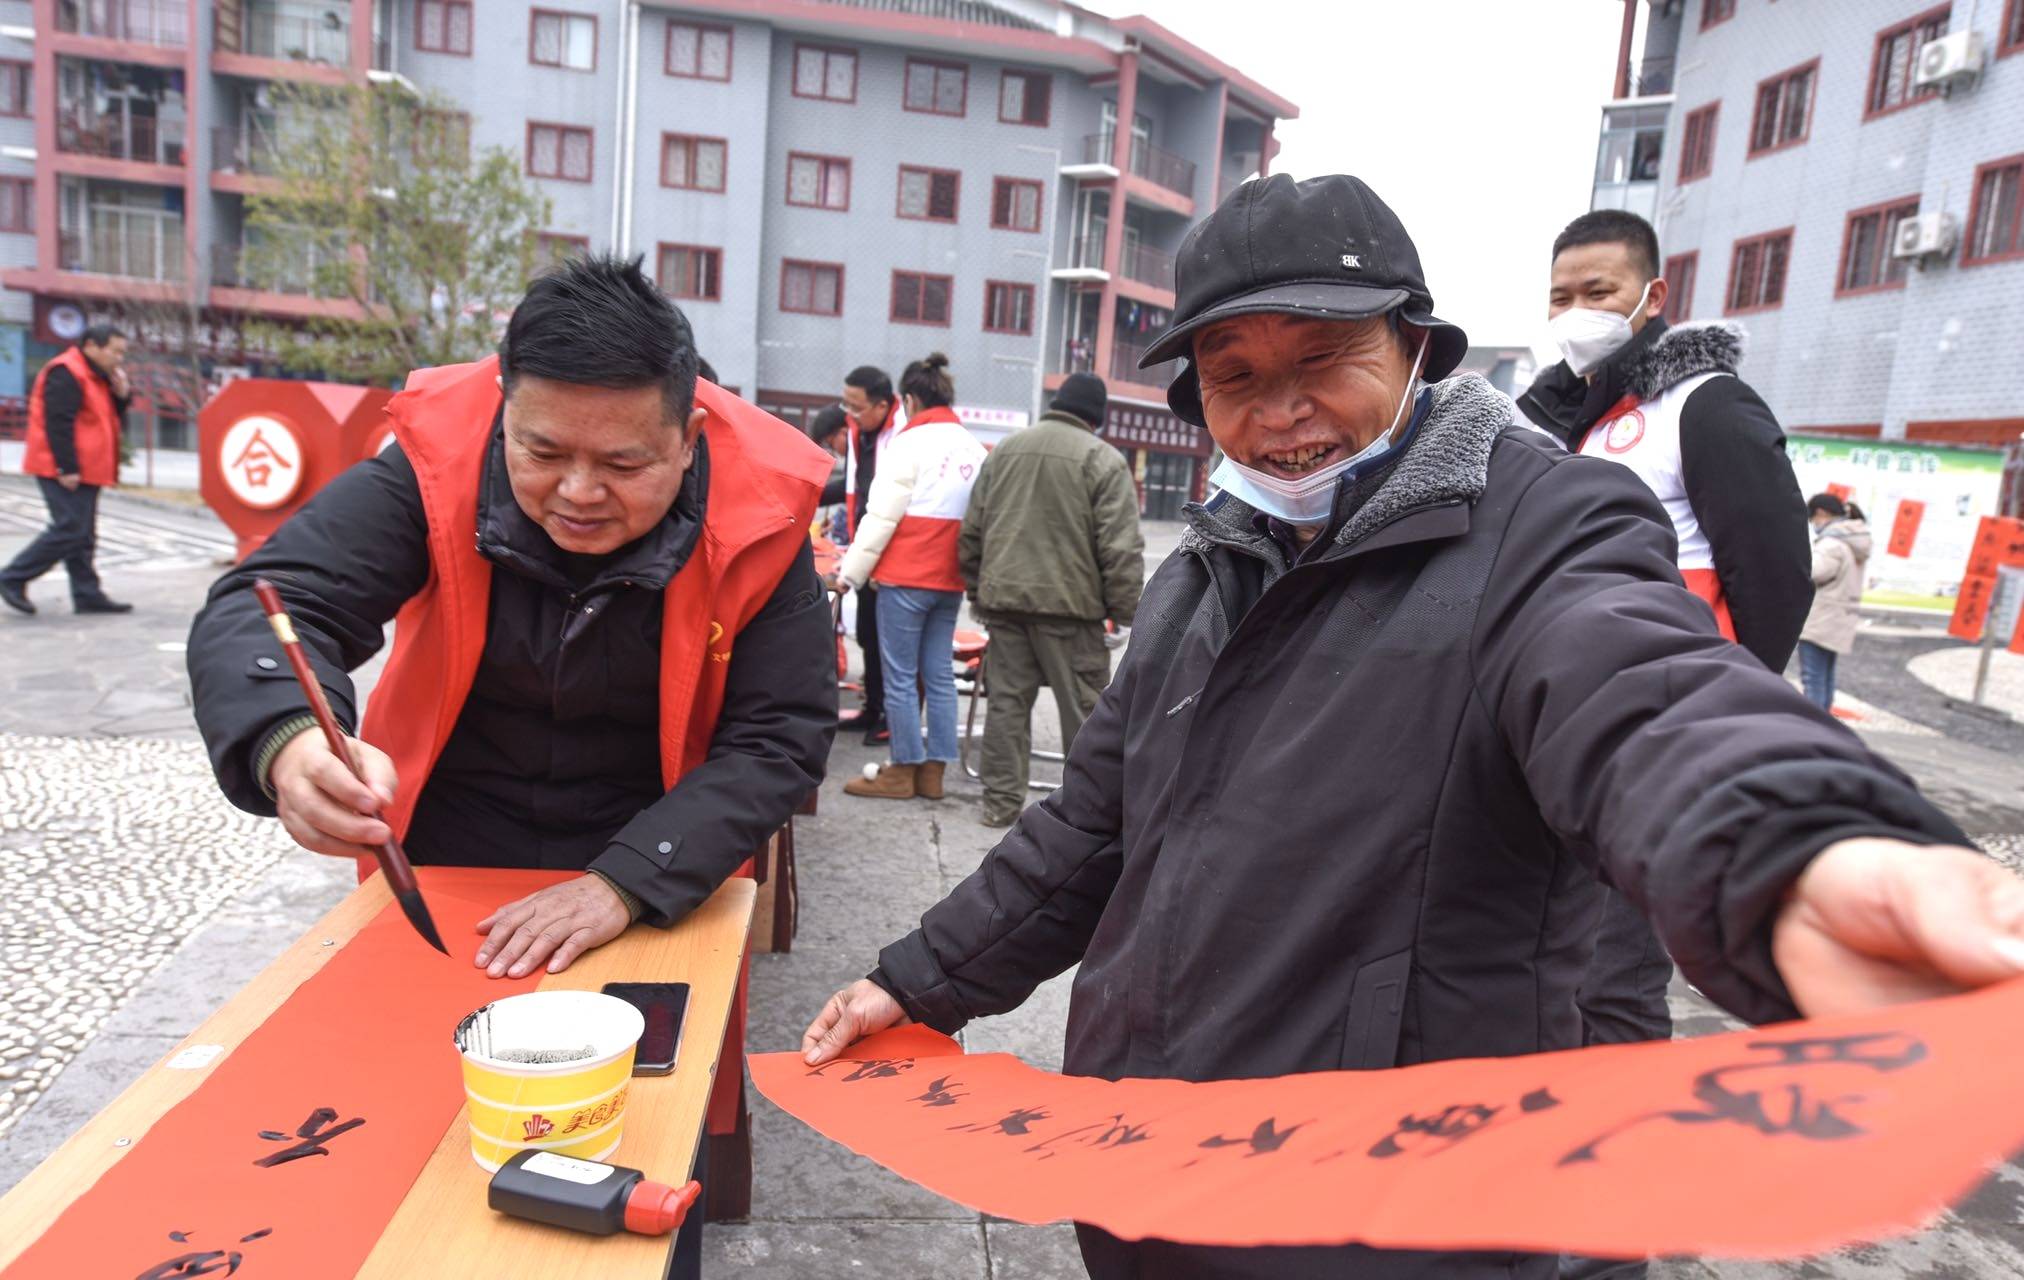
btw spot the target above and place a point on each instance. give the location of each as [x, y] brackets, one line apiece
[143, 901]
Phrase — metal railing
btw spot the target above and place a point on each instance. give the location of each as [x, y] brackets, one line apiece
[245, 148]
[1148, 265]
[119, 137]
[296, 35]
[1085, 253]
[157, 22]
[134, 243]
[1124, 359]
[1156, 165]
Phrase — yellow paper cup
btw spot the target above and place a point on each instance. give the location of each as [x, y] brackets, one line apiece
[550, 1070]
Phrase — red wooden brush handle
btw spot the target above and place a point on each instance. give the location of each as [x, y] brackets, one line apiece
[393, 860]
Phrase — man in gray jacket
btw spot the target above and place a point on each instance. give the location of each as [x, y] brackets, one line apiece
[1050, 549]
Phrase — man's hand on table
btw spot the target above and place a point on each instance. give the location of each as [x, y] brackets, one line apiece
[851, 1014]
[1877, 922]
[555, 925]
[324, 808]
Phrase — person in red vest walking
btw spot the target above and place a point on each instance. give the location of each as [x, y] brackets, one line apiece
[612, 653]
[75, 410]
[906, 543]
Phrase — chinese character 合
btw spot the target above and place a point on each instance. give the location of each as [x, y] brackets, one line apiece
[258, 460]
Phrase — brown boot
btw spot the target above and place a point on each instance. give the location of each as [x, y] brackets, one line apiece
[891, 782]
[928, 779]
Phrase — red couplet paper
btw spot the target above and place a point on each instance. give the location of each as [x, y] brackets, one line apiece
[1904, 530]
[1782, 1141]
[293, 1156]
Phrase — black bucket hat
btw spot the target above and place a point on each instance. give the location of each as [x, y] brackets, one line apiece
[1326, 247]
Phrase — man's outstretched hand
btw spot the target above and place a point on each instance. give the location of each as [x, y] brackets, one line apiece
[851, 1014]
[1877, 922]
[554, 925]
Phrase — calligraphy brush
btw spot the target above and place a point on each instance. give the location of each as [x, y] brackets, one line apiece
[393, 862]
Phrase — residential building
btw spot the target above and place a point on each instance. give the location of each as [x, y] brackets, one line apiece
[1509, 369]
[818, 183]
[1861, 217]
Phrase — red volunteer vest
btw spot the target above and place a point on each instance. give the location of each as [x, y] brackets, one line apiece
[97, 429]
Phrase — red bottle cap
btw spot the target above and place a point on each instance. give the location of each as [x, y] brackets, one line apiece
[654, 1209]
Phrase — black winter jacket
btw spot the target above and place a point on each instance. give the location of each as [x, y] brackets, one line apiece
[554, 761]
[1732, 458]
[1349, 813]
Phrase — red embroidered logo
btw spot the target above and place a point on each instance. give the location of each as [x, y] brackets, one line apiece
[1621, 435]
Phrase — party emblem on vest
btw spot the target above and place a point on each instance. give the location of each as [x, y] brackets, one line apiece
[1622, 434]
[716, 634]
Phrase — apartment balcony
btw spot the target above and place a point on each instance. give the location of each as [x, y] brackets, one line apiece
[162, 23]
[134, 244]
[1653, 78]
[1083, 262]
[238, 266]
[247, 149]
[318, 35]
[1148, 266]
[140, 139]
[1124, 360]
[1160, 167]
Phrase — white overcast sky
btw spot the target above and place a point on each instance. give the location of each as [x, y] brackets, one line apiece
[1475, 120]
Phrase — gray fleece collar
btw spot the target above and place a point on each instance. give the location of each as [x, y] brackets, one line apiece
[1684, 351]
[1447, 460]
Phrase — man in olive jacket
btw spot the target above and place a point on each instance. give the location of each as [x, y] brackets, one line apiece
[1050, 549]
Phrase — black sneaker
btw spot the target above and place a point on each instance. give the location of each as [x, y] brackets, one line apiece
[15, 596]
[878, 735]
[100, 604]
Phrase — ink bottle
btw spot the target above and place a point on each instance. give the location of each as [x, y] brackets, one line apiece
[585, 1195]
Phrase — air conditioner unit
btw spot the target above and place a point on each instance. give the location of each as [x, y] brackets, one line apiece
[1927, 235]
[1950, 60]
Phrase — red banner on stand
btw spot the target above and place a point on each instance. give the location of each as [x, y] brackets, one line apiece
[1778, 1142]
[292, 1158]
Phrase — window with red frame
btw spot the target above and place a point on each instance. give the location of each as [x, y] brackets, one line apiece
[692, 163]
[1008, 308]
[14, 85]
[691, 271]
[557, 39]
[1015, 204]
[442, 138]
[1897, 58]
[559, 151]
[1866, 260]
[1681, 269]
[1757, 272]
[919, 298]
[938, 88]
[811, 288]
[1697, 142]
[2011, 38]
[1716, 11]
[697, 51]
[443, 26]
[826, 73]
[1024, 97]
[1784, 114]
[17, 204]
[551, 247]
[818, 182]
[928, 194]
[1996, 218]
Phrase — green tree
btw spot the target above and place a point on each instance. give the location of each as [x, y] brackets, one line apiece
[376, 201]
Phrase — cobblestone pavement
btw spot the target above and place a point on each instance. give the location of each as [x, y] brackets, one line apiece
[142, 901]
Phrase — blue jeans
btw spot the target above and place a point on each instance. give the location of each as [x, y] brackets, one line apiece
[916, 645]
[1816, 674]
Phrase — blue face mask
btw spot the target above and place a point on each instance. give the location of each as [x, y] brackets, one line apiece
[1309, 499]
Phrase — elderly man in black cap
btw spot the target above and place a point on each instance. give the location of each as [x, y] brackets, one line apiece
[1410, 682]
[1050, 551]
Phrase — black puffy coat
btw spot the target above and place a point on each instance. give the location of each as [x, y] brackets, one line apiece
[1349, 813]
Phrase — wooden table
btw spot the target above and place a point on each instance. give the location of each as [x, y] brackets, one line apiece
[443, 1228]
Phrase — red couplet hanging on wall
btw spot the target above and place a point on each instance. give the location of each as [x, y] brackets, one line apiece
[1904, 530]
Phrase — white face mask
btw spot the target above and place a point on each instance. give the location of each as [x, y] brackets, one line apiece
[1309, 499]
[1587, 337]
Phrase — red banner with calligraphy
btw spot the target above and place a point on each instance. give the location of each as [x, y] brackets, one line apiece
[1904, 530]
[1777, 1142]
[293, 1156]
[1999, 541]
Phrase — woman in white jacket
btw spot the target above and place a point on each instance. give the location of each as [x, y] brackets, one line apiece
[906, 543]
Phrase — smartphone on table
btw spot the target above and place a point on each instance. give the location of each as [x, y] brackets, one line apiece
[662, 1004]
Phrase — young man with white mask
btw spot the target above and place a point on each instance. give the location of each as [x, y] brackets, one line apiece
[1665, 401]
